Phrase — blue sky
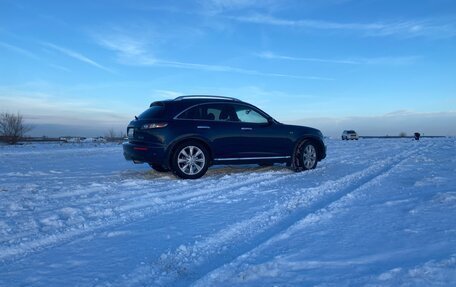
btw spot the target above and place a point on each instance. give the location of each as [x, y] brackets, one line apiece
[381, 67]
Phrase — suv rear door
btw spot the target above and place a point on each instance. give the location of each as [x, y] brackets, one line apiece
[215, 123]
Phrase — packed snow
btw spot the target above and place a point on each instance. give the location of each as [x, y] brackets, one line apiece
[375, 212]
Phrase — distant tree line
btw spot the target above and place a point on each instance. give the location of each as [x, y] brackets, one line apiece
[13, 129]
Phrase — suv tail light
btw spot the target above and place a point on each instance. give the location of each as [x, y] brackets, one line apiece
[154, 126]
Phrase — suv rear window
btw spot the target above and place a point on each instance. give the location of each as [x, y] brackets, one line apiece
[154, 112]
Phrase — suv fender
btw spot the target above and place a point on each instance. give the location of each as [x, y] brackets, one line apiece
[295, 163]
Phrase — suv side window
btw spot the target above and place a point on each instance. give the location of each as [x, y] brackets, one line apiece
[248, 115]
[218, 112]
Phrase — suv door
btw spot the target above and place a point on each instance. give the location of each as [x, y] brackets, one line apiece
[216, 123]
[259, 136]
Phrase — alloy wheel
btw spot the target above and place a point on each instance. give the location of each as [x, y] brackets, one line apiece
[309, 156]
[191, 160]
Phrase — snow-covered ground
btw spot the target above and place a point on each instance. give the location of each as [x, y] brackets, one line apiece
[374, 212]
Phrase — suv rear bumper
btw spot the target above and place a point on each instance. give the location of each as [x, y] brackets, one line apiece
[141, 152]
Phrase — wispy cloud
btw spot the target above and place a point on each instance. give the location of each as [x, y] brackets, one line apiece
[315, 24]
[405, 60]
[229, 69]
[30, 55]
[18, 50]
[393, 61]
[129, 50]
[61, 68]
[219, 6]
[135, 52]
[273, 56]
[77, 56]
[123, 44]
[408, 28]
[166, 94]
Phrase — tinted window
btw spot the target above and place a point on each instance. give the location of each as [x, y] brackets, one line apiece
[249, 115]
[217, 112]
[154, 112]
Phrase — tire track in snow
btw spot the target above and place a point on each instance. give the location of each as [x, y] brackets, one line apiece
[147, 198]
[82, 196]
[124, 213]
[189, 263]
[129, 212]
[150, 189]
[160, 203]
[134, 209]
[304, 217]
[321, 212]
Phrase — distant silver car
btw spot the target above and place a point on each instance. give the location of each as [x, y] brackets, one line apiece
[350, 135]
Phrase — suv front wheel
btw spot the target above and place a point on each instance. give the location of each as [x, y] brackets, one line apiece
[190, 160]
[309, 155]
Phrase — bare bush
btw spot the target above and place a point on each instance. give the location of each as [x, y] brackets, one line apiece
[12, 127]
[113, 136]
[110, 135]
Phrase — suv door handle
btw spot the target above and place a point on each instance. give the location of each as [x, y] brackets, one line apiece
[246, 129]
[203, 127]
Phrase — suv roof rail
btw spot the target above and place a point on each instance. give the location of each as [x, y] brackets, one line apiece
[206, 97]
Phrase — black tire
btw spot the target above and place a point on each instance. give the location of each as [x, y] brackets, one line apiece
[158, 168]
[308, 158]
[192, 166]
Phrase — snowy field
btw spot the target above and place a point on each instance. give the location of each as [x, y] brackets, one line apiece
[375, 212]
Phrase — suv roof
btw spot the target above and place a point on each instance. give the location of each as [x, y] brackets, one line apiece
[194, 99]
[204, 97]
[177, 105]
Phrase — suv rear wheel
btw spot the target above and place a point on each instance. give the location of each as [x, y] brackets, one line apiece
[190, 160]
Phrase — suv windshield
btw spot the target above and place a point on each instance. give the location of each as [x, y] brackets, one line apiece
[154, 112]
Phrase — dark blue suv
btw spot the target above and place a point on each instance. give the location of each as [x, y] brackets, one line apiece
[190, 133]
